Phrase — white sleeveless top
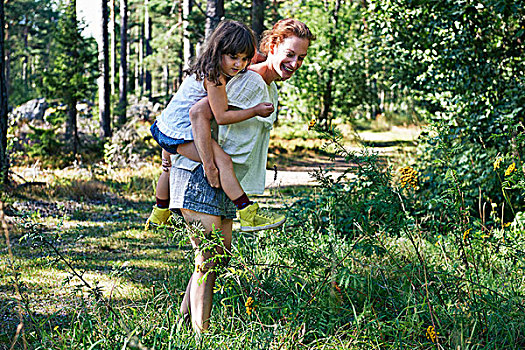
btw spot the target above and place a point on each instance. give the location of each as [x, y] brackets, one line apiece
[174, 121]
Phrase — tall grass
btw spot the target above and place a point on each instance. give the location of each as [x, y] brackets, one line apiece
[358, 265]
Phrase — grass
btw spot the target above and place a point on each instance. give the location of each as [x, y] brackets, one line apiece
[351, 269]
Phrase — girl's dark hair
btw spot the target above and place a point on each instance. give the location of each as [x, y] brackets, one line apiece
[229, 38]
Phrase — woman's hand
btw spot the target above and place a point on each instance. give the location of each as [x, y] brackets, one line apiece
[166, 161]
[264, 109]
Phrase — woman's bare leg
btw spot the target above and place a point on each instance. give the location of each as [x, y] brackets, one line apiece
[198, 298]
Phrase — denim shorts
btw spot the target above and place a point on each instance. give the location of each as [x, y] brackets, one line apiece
[167, 143]
[189, 189]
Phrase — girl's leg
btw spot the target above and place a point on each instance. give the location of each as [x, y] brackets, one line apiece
[163, 185]
[228, 180]
[198, 298]
[161, 213]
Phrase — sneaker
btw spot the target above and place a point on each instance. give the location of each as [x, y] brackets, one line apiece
[158, 216]
[255, 219]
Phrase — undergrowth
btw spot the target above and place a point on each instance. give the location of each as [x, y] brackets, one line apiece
[359, 264]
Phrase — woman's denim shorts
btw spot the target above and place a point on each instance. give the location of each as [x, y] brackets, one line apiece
[167, 143]
[191, 190]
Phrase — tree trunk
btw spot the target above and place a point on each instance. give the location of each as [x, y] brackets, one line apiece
[180, 51]
[71, 125]
[189, 50]
[25, 64]
[123, 69]
[258, 17]
[214, 13]
[139, 63]
[7, 56]
[166, 78]
[4, 160]
[324, 118]
[104, 90]
[327, 103]
[113, 49]
[149, 51]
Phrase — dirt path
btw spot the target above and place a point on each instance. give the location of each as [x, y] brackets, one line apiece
[299, 173]
[298, 168]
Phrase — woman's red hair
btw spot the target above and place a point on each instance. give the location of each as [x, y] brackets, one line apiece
[283, 29]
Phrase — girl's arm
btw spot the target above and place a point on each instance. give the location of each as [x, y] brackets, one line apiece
[219, 105]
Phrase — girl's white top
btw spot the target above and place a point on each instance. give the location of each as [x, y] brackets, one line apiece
[247, 141]
[174, 121]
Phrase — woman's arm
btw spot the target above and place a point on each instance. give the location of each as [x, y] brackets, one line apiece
[219, 105]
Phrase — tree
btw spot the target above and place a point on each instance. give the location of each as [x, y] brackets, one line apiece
[104, 88]
[29, 26]
[147, 48]
[123, 69]
[464, 63]
[113, 44]
[72, 69]
[214, 13]
[4, 160]
[258, 17]
[188, 48]
[334, 70]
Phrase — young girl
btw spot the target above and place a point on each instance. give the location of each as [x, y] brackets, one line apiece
[228, 52]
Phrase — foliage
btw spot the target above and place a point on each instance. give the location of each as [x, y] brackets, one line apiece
[72, 76]
[361, 201]
[332, 82]
[464, 63]
[383, 279]
[30, 27]
[121, 150]
[428, 255]
[43, 141]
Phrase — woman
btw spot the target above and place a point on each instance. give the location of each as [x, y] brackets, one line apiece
[285, 47]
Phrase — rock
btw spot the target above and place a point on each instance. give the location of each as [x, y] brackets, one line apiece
[31, 110]
[143, 109]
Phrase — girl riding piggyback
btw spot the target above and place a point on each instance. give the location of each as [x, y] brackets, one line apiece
[228, 52]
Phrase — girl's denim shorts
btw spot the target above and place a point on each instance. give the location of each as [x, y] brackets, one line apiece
[191, 190]
[167, 143]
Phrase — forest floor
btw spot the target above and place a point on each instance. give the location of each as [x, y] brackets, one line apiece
[97, 224]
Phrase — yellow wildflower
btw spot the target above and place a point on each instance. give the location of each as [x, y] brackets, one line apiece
[432, 334]
[311, 124]
[249, 305]
[408, 177]
[507, 224]
[497, 163]
[466, 233]
[510, 169]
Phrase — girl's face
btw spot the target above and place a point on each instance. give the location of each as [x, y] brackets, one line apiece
[288, 56]
[232, 64]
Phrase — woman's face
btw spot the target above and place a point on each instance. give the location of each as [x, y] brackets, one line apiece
[288, 56]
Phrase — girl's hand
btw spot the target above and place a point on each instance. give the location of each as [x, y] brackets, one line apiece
[264, 109]
[212, 175]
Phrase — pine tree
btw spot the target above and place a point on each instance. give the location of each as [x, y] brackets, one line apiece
[258, 17]
[104, 89]
[123, 68]
[4, 162]
[214, 13]
[71, 77]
